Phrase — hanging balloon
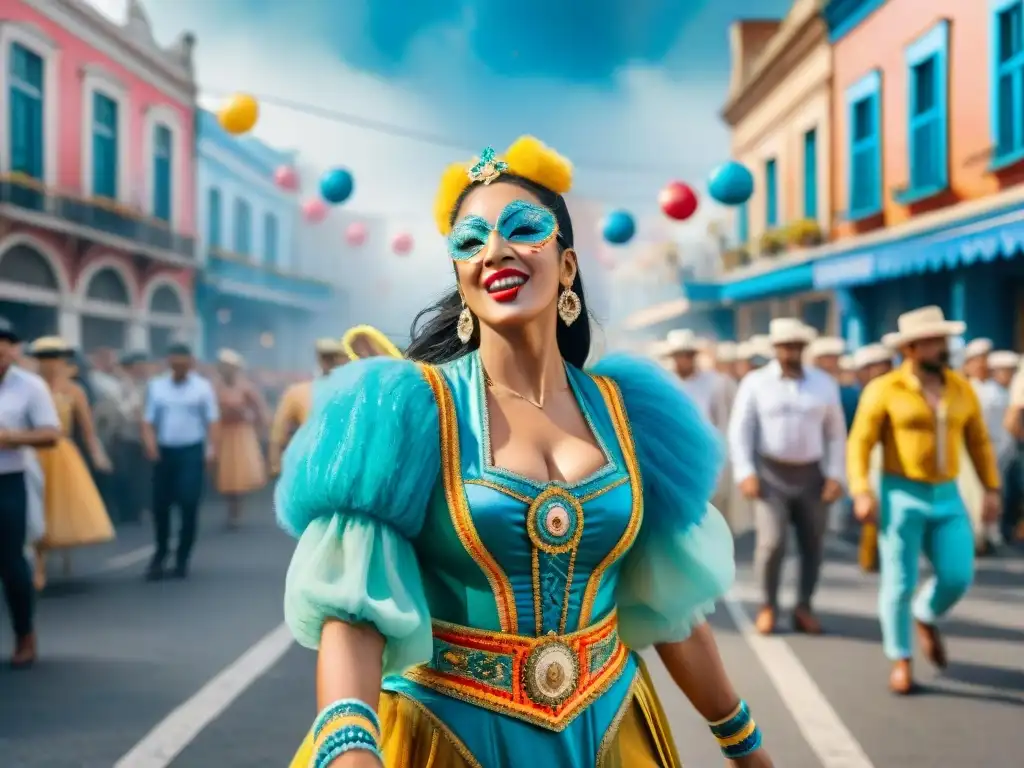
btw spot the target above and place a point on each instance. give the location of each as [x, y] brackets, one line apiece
[618, 228]
[239, 114]
[336, 186]
[678, 201]
[731, 183]
[355, 234]
[314, 211]
[286, 178]
[402, 243]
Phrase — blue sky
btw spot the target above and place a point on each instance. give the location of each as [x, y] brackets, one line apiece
[630, 96]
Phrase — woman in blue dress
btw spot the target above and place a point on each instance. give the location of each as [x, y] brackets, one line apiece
[488, 532]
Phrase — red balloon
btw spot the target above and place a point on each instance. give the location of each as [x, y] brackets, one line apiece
[678, 201]
[314, 210]
[356, 233]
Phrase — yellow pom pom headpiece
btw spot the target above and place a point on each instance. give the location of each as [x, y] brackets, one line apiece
[527, 158]
[374, 339]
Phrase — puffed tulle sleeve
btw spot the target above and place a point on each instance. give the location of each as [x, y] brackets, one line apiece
[355, 483]
[682, 561]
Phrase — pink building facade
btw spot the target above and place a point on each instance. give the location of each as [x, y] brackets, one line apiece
[97, 177]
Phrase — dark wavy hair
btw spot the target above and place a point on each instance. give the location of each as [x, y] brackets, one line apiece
[434, 339]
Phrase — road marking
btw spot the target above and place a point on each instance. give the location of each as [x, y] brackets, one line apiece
[165, 742]
[821, 727]
[127, 559]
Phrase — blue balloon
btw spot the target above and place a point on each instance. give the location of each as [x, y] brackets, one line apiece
[336, 186]
[618, 228]
[731, 183]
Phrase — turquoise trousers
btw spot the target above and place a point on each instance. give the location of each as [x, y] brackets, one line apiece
[920, 518]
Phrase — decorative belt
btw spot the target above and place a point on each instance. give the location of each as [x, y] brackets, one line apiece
[545, 680]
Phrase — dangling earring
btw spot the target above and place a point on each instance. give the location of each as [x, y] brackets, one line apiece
[464, 330]
[569, 306]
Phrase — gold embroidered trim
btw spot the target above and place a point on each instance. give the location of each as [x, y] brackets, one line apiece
[565, 499]
[613, 401]
[516, 650]
[603, 490]
[613, 729]
[458, 506]
[522, 497]
[443, 729]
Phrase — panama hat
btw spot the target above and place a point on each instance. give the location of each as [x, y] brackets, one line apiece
[230, 357]
[826, 346]
[1003, 359]
[789, 330]
[50, 346]
[977, 348]
[924, 323]
[725, 351]
[328, 346]
[680, 341]
[871, 354]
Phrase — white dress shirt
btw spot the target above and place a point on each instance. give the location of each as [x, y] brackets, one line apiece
[994, 400]
[705, 389]
[25, 403]
[796, 421]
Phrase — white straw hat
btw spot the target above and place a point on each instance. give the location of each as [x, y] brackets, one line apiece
[1003, 359]
[725, 351]
[924, 323]
[977, 348]
[871, 354]
[230, 357]
[825, 346]
[328, 346]
[846, 364]
[789, 330]
[681, 340]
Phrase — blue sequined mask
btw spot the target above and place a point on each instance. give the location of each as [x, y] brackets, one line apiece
[521, 223]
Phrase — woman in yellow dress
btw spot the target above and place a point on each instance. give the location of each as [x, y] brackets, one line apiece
[241, 469]
[75, 513]
[489, 531]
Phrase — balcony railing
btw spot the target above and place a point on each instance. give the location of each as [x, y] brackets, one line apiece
[96, 215]
[234, 267]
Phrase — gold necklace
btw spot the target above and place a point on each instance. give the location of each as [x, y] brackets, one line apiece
[538, 404]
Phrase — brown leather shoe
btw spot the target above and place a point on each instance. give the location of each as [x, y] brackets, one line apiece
[901, 678]
[24, 652]
[931, 644]
[765, 621]
[805, 622]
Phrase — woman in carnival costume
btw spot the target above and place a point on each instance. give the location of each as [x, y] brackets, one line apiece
[74, 510]
[488, 533]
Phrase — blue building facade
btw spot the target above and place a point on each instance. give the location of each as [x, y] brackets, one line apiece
[252, 296]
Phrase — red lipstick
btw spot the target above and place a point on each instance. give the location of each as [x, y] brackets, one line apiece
[504, 285]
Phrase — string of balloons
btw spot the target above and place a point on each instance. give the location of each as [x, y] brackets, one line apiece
[730, 183]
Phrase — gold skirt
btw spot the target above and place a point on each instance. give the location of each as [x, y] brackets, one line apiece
[75, 512]
[240, 465]
[414, 738]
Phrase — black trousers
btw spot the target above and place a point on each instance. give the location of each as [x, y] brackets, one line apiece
[15, 572]
[177, 482]
[134, 478]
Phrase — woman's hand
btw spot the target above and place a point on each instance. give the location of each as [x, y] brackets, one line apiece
[759, 759]
[102, 463]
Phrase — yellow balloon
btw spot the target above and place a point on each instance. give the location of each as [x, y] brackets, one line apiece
[240, 114]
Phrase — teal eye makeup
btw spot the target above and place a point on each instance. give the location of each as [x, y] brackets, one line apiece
[520, 223]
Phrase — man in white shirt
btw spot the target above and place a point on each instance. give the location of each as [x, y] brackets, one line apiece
[787, 443]
[179, 434]
[703, 386]
[28, 419]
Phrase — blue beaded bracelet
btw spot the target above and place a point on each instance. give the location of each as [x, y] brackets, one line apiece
[346, 740]
[341, 708]
[738, 734]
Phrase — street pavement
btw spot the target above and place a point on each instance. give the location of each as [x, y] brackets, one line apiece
[200, 674]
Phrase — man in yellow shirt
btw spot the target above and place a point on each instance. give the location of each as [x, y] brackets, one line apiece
[923, 413]
[296, 401]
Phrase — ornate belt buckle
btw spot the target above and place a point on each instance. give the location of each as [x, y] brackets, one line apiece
[552, 673]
